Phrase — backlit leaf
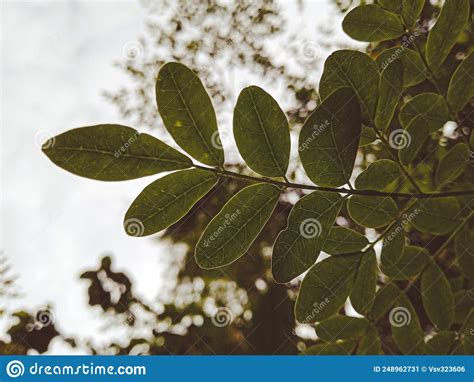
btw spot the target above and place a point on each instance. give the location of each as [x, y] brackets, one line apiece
[414, 71]
[391, 5]
[390, 90]
[367, 136]
[431, 107]
[406, 329]
[372, 212]
[411, 262]
[461, 86]
[166, 200]
[232, 231]
[437, 216]
[363, 291]
[393, 246]
[444, 34]
[309, 223]
[344, 240]
[112, 153]
[413, 138]
[380, 175]
[372, 23]
[453, 164]
[411, 10]
[188, 114]
[261, 132]
[329, 139]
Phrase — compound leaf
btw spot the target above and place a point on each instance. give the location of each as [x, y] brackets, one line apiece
[450, 23]
[166, 200]
[232, 231]
[390, 90]
[325, 288]
[298, 246]
[261, 132]
[112, 153]
[461, 85]
[372, 212]
[188, 114]
[372, 23]
[437, 297]
[329, 139]
[453, 164]
[356, 70]
[344, 240]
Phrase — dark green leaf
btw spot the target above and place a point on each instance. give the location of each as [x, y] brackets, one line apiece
[411, 262]
[367, 136]
[437, 296]
[411, 10]
[188, 114]
[414, 71]
[406, 329]
[166, 200]
[334, 348]
[461, 86]
[437, 216]
[341, 328]
[261, 132]
[391, 5]
[373, 211]
[356, 70]
[453, 164]
[232, 231]
[380, 175]
[329, 139]
[370, 344]
[363, 292]
[466, 333]
[431, 107]
[410, 141]
[112, 152]
[444, 34]
[393, 245]
[463, 303]
[325, 288]
[441, 343]
[344, 240]
[309, 223]
[390, 90]
[464, 248]
[372, 23]
[384, 300]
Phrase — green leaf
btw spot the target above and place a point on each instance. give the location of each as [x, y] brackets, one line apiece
[329, 139]
[411, 262]
[453, 164]
[393, 245]
[406, 329]
[410, 141]
[112, 153]
[437, 296]
[188, 114]
[372, 23]
[166, 200]
[367, 136]
[430, 107]
[232, 231]
[341, 328]
[441, 343]
[381, 175]
[373, 211]
[261, 132]
[356, 70]
[437, 216]
[297, 247]
[414, 71]
[461, 85]
[384, 300]
[411, 10]
[391, 5]
[464, 248]
[463, 303]
[344, 240]
[467, 333]
[334, 348]
[363, 292]
[390, 90]
[444, 34]
[370, 344]
[325, 288]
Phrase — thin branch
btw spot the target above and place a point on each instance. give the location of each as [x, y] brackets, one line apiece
[250, 178]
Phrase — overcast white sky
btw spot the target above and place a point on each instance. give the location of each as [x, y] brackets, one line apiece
[56, 59]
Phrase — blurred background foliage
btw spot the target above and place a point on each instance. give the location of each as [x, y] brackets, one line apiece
[238, 309]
